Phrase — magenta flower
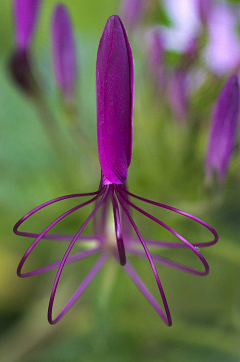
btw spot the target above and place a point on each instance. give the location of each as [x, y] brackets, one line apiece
[64, 56]
[223, 134]
[25, 14]
[114, 81]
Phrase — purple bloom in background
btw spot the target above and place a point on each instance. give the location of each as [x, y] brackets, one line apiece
[25, 15]
[186, 23]
[114, 83]
[223, 134]
[64, 56]
[132, 11]
[155, 55]
[178, 94]
[223, 50]
[204, 8]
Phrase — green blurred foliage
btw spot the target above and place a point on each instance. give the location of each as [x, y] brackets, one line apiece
[112, 321]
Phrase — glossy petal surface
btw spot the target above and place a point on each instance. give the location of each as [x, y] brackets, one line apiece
[114, 84]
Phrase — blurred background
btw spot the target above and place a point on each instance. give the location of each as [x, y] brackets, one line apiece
[184, 51]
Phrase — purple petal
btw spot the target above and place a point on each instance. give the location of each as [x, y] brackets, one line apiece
[25, 16]
[64, 56]
[114, 84]
[223, 132]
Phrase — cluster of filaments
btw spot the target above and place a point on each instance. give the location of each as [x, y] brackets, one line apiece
[124, 224]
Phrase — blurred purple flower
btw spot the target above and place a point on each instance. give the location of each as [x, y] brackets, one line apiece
[186, 23]
[114, 81]
[204, 9]
[25, 14]
[223, 132]
[132, 11]
[64, 56]
[178, 94]
[223, 50]
[155, 55]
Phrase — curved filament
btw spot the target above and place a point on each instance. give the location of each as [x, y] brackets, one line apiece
[142, 287]
[45, 231]
[42, 206]
[64, 260]
[97, 266]
[118, 229]
[166, 318]
[167, 262]
[174, 232]
[192, 217]
[81, 255]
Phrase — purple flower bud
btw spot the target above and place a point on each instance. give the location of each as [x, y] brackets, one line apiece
[223, 132]
[64, 57]
[25, 14]
[132, 12]
[114, 85]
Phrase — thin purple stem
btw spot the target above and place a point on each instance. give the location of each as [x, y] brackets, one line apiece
[45, 231]
[194, 218]
[166, 318]
[63, 261]
[172, 231]
[118, 228]
[166, 262]
[71, 259]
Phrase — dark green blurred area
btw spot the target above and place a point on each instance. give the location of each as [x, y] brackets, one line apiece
[112, 321]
